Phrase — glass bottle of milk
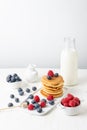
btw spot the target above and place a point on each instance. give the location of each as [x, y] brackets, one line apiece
[69, 62]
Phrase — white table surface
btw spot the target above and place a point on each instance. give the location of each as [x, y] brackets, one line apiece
[55, 120]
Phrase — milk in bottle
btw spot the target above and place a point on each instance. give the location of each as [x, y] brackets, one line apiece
[69, 62]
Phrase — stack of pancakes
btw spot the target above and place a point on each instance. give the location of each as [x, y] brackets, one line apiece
[52, 87]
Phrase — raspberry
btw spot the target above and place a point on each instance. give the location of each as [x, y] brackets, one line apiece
[66, 104]
[64, 100]
[50, 97]
[30, 107]
[76, 100]
[50, 73]
[72, 103]
[36, 98]
[70, 96]
[76, 103]
[42, 104]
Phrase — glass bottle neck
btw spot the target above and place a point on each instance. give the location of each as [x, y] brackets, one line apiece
[69, 43]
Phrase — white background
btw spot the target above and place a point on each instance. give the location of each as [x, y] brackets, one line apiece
[32, 31]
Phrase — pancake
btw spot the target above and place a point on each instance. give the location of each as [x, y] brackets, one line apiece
[54, 95]
[52, 91]
[53, 82]
[52, 88]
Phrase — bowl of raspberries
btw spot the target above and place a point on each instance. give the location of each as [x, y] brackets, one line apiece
[71, 105]
[14, 80]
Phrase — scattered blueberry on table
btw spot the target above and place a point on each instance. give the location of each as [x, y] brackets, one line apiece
[30, 96]
[12, 96]
[27, 90]
[17, 100]
[34, 88]
[10, 104]
[20, 89]
[21, 93]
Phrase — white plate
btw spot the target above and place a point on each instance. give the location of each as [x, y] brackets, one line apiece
[46, 109]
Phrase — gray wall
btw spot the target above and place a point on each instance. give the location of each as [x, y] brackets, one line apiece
[32, 31]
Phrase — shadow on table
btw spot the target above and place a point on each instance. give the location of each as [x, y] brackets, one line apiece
[82, 81]
[84, 110]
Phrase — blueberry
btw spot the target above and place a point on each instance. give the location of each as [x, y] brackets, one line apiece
[17, 100]
[13, 79]
[44, 100]
[12, 96]
[34, 88]
[56, 74]
[27, 90]
[18, 79]
[51, 102]
[33, 102]
[10, 104]
[30, 96]
[20, 89]
[36, 105]
[49, 77]
[39, 109]
[8, 79]
[21, 93]
[15, 75]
